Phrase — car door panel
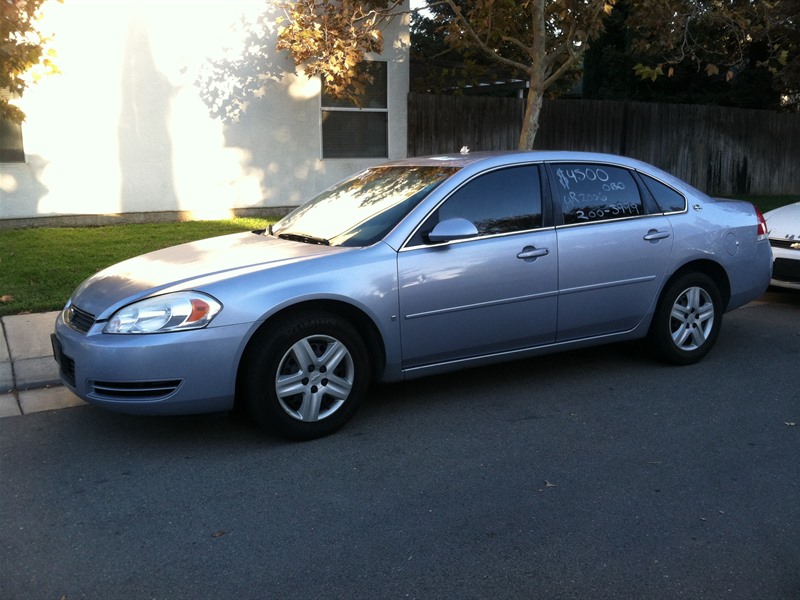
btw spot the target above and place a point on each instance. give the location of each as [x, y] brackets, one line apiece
[478, 297]
[613, 247]
[609, 274]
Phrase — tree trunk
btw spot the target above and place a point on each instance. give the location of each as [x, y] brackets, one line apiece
[530, 123]
[536, 75]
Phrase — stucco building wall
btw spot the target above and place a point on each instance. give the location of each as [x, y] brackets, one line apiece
[142, 118]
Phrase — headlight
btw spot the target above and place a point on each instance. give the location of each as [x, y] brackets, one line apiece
[171, 312]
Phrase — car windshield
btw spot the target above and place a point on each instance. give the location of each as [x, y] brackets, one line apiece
[363, 209]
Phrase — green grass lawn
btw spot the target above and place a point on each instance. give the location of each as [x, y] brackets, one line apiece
[41, 267]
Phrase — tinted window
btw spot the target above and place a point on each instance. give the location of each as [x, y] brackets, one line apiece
[502, 201]
[668, 199]
[588, 192]
[355, 134]
[11, 142]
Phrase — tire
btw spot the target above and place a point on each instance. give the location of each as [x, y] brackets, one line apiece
[304, 378]
[687, 320]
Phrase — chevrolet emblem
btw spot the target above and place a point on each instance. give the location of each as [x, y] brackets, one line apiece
[795, 246]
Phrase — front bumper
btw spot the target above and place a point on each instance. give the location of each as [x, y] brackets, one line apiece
[188, 372]
[786, 266]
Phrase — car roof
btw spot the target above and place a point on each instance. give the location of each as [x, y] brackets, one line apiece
[464, 159]
[477, 161]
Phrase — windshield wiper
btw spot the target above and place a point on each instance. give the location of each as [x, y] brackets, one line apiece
[306, 239]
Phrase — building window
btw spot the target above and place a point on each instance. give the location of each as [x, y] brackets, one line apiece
[10, 138]
[350, 131]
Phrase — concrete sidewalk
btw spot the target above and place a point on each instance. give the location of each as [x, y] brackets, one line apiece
[29, 380]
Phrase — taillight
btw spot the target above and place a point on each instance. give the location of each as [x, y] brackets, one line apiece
[762, 225]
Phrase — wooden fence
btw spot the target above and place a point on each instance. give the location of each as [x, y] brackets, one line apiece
[720, 150]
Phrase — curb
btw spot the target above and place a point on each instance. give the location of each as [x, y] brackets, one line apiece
[29, 379]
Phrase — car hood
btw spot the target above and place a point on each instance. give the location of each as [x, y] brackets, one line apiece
[185, 266]
[784, 223]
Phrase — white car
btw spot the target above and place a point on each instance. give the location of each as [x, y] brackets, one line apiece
[784, 236]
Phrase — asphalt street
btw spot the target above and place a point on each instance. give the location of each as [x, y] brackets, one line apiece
[591, 474]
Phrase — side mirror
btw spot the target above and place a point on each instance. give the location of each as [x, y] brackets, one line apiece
[450, 230]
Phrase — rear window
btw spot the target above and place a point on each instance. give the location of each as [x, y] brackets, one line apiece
[668, 200]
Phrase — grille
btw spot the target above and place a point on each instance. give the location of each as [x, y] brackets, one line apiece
[78, 319]
[787, 244]
[786, 270]
[68, 369]
[148, 390]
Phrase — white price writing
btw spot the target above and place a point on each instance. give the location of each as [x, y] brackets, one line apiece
[579, 175]
[614, 210]
[575, 199]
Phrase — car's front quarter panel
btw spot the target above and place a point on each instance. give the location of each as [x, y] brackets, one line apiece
[364, 279]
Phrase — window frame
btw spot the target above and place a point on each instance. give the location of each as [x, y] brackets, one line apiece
[416, 239]
[356, 110]
[12, 155]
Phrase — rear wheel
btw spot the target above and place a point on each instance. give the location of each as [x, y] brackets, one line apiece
[687, 320]
[305, 378]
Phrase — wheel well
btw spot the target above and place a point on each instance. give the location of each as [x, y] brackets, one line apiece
[356, 317]
[713, 270]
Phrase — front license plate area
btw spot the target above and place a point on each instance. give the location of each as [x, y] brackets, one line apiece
[65, 364]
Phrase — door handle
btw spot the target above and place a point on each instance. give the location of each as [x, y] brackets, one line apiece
[654, 235]
[532, 253]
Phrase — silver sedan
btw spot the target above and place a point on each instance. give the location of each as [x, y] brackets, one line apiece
[411, 268]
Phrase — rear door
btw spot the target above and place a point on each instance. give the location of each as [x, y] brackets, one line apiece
[613, 248]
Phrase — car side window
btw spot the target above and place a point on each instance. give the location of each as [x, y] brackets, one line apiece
[502, 201]
[668, 200]
[592, 192]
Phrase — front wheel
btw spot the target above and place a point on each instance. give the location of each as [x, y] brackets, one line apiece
[305, 378]
[687, 320]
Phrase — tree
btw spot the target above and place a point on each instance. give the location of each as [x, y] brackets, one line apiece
[745, 43]
[22, 49]
[544, 40]
[330, 38]
[612, 61]
[439, 68]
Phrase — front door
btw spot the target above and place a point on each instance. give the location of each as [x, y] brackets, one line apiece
[492, 293]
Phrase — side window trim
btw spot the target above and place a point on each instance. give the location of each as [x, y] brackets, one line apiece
[412, 242]
[651, 207]
[644, 176]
